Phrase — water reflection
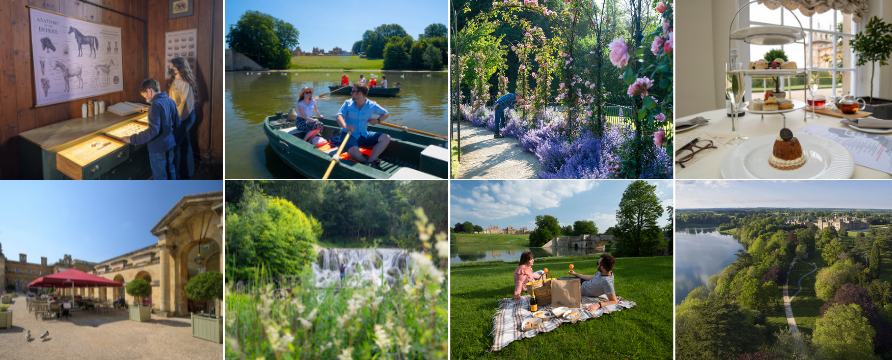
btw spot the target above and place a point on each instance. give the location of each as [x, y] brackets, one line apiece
[250, 98]
[465, 253]
[700, 253]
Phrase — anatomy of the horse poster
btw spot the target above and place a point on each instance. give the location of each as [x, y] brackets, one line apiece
[73, 58]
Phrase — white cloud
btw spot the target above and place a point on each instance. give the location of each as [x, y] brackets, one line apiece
[499, 200]
[603, 221]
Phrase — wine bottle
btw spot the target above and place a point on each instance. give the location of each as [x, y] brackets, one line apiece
[533, 306]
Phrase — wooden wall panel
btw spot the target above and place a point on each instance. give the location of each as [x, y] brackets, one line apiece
[17, 98]
[207, 18]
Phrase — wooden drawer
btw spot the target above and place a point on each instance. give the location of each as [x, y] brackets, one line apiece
[90, 159]
[136, 167]
[128, 129]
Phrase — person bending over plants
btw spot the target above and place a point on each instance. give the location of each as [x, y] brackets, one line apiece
[600, 283]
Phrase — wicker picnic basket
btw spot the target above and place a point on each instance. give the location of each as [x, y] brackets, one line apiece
[542, 289]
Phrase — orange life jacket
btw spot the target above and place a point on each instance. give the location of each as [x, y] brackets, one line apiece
[344, 80]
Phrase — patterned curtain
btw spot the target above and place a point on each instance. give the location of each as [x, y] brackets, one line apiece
[857, 8]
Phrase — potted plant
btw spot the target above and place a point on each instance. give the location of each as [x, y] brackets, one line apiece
[769, 57]
[5, 317]
[872, 45]
[6, 299]
[139, 289]
[206, 286]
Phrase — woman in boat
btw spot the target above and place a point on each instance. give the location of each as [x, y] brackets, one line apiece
[384, 81]
[304, 123]
[362, 78]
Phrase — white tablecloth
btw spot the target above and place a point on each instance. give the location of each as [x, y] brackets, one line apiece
[753, 126]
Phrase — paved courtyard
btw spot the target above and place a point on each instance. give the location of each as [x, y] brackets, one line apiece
[88, 335]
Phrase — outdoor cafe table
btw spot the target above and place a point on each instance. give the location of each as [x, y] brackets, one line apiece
[41, 307]
[753, 126]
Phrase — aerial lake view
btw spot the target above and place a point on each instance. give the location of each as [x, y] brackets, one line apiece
[700, 253]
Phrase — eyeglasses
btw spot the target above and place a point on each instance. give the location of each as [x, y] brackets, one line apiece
[687, 152]
[308, 92]
[354, 91]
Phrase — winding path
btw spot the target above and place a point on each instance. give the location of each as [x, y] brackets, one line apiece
[788, 309]
[484, 157]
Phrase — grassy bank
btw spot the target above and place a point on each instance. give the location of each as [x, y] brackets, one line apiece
[336, 62]
[492, 239]
[455, 153]
[643, 332]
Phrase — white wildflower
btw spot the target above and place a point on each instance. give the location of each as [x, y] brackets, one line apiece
[298, 306]
[422, 261]
[442, 249]
[287, 339]
[306, 324]
[312, 315]
[436, 275]
[381, 337]
[346, 354]
[376, 302]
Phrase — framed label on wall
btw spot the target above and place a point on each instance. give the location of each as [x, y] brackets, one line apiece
[73, 58]
[182, 44]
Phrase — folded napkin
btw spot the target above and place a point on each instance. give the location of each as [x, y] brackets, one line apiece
[694, 121]
[869, 122]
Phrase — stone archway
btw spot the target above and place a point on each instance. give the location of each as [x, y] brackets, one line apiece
[118, 291]
[187, 267]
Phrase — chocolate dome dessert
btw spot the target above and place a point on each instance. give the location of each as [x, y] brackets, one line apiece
[787, 153]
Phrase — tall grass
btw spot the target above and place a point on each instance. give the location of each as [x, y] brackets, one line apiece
[292, 319]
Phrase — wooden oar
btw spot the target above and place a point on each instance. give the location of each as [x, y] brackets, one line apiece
[337, 155]
[333, 91]
[412, 130]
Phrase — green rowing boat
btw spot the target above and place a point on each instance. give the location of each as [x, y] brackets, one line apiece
[409, 156]
[375, 91]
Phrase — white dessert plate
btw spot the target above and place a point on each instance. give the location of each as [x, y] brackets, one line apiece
[870, 130]
[559, 311]
[685, 128]
[772, 72]
[768, 35]
[797, 105]
[825, 160]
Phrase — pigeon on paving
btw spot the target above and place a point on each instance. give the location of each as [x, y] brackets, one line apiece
[45, 335]
[28, 336]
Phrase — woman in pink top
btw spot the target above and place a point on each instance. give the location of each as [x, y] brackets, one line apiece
[524, 274]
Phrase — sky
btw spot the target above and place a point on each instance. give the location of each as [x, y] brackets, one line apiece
[855, 194]
[327, 24]
[516, 203]
[91, 220]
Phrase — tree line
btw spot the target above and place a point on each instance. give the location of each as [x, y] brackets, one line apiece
[263, 38]
[731, 311]
[400, 51]
[276, 224]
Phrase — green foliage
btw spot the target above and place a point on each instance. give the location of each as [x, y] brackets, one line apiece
[873, 44]
[396, 53]
[843, 233]
[636, 228]
[270, 232]
[752, 296]
[875, 262]
[434, 31]
[567, 230]
[716, 328]
[843, 333]
[828, 234]
[581, 227]
[774, 54]
[433, 58]
[4, 307]
[772, 291]
[263, 38]
[831, 252]
[831, 279]
[206, 286]
[547, 228]
[467, 227]
[478, 228]
[139, 288]
[881, 292]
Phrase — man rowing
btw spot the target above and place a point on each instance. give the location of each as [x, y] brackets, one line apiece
[356, 115]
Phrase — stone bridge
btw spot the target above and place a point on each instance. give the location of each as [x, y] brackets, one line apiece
[596, 242]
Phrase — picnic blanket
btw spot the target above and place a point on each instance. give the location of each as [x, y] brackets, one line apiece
[509, 318]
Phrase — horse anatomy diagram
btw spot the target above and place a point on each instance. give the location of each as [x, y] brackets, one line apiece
[84, 68]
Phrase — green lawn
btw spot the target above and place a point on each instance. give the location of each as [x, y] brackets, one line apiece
[729, 231]
[806, 305]
[336, 62]
[643, 332]
[492, 239]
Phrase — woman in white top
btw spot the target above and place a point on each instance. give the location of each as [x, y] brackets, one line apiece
[384, 81]
[306, 106]
[182, 89]
[362, 78]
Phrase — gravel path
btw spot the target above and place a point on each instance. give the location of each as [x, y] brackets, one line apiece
[484, 157]
[89, 335]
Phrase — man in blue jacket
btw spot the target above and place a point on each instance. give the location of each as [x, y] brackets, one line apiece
[506, 101]
[163, 118]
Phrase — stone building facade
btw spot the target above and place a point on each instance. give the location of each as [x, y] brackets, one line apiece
[508, 230]
[190, 241]
[840, 222]
[21, 273]
[597, 242]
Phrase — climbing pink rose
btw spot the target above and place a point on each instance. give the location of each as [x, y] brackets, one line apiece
[619, 53]
[640, 87]
[658, 137]
[660, 117]
[661, 7]
[657, 45]
[669, 45]
[665, 27]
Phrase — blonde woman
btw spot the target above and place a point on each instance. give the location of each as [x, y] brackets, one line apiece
[184, 92]
[306, 106]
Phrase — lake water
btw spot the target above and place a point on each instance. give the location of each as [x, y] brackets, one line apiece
[250, 98]
[700, 253]
[466, 253]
